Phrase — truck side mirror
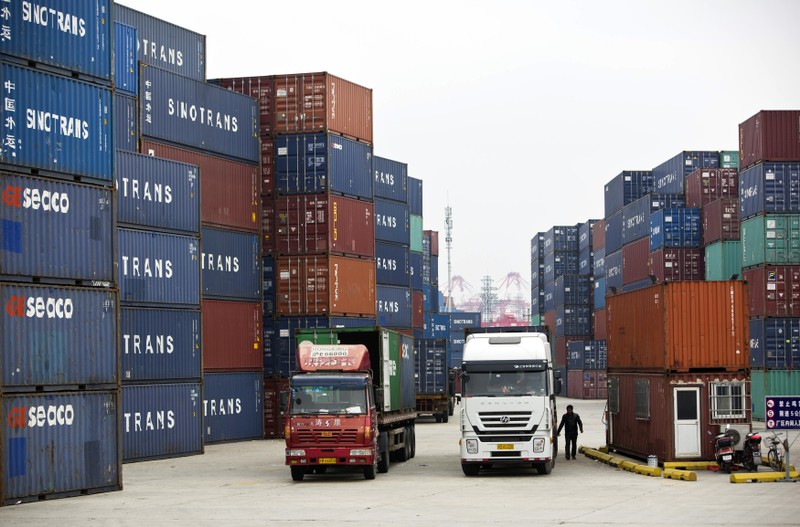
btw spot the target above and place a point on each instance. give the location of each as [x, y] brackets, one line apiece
[465, 377]
[379, 397]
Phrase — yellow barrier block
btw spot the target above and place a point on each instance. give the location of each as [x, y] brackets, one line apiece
[627, 465]
[647, 470]
[674, 473]
[603, 449]
[755, 477]
[689, 465]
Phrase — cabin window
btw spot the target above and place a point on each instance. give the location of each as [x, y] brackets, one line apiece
[728, 400]
[642, 388]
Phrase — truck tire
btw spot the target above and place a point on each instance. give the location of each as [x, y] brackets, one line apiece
[383, 462]
[413, 442]
[450, 408]
[404, 454]
[369, 472]
[298, 473]
[438, 418]
[445, 417]
[546, 467]
[470, 469]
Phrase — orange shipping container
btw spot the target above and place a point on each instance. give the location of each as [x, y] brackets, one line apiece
[325, 285]
[679, 327]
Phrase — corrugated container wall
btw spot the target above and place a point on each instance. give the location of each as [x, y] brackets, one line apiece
[772, 382]
[599, 235]
[710, 184]
[126, 62]
[43, 460]
[392, 264]
[262, 89]
[771, 239]
[585, 234]
[161, 420]
[675, 228]
[723, 260]
[437, 325]
[773, 290]
[68, 124]
[572, 289]
[430, 366]
[393, 306]
[57, 335]
[729, 159]
[635, 261]
[391, 179]
[721, 220]
[669, 265]
[599, 327]
[415, 196]
[769, 187]
[199, 115]
[166, 45]
[231, 264]
[669, 177]
[157, 193]
[679, 326]
[627, 187]
[775, 343]
[415, 271]
[72, 35]
[417, 309]
[56, 229]
[770, 136]
[561, 238]
[392, 221]
[599, 268]
[229, 189]
[126, 123]
[415, 232]
[614, 272]
[232, 336]
[233, 406]
[613, 235]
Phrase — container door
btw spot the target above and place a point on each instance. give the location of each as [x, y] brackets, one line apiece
[687, 422]
[387, 371]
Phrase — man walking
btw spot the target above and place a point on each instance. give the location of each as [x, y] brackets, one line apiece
[571, 422]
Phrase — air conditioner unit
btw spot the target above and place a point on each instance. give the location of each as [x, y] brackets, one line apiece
[737, 433]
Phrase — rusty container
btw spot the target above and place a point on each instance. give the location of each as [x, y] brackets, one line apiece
[679, 327]
[262, 89]
[599, 235]
[669, 265]
[417, 310]
[276, 404]
[769, 135]
[599, 317]
[774, 290]
[232, 338]
[267, 225]
[635, 258]
[721, 220]
[705, 185]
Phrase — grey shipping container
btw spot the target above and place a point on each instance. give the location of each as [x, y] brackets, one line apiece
[56, 229]
[231, 264]
[233, 406]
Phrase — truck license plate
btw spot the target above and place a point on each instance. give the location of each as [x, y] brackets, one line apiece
[505, 446]
[327, 434]
[327, 461]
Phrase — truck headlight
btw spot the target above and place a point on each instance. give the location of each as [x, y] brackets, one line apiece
[472, 446]
[538, 445]
[295, 453]
[360, 452]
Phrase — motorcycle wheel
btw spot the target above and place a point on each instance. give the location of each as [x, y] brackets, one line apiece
[726, 467]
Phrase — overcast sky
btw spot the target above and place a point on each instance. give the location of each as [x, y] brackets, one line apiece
[517, 113]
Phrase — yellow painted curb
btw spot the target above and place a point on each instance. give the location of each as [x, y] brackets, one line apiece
[647, 470]
[755, 477]
[689, 465]
[685, 475]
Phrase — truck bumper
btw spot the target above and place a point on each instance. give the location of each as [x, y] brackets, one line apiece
[491, 451]
[313, 456]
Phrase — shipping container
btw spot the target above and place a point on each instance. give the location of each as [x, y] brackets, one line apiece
[673, 416]
[613, 235]
[586, 354]
[560, 350]
[599, 326]
[585, 234]
[669, 265]
[276, 404]
[705, 185]
[537, 301]
[160, 344]
[268, 227]
[559, 263]
[549, 318]
[325, 285]
[426, 295]
[627, 187]
[461, 320]
[771, 239]
[599, 295]
[57, 336]
[126, 61]
[161, 421]
[262, 89]
[774, 290]
[679, 326]
[125, 123]
[635, 261]
[392, 222]
[267, 166]
[231, 264]
[433, 241]
[166, 45]
[770, 135]
[729, 159]
[268, 284]
[393, 306]
[72, 35]
[723, 260]
[157, 193]
[414, 196]
[435, 273]
[574, 320]
[437, 326]
[537, 247]
[639, 284]
[55, 229]
[192, 113]
[599, 235]
[614, 273]
[549, 297]
[232, 336]
[391, 179]
[769, 187]
[230, 189]
[417, 309]
[158, 268]
[586, 384]
[415, 232]
[233, 406]
[669, 177]
[586, 261]
[775, 343]
[677, 228]
[60, 444]
[315, 163]
[68, 124]
[774, 383]
[599, 262]
[561, 238]
[573, 289]
[456, 346]
[721, 220]
[636, 216]
[415, 270]
[430, 366]
[392, 264]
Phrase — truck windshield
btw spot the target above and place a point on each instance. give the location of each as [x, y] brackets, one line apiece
[500, 384]
[322, 399]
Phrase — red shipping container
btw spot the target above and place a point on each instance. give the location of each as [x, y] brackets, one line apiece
[679, 326]
[774, 290]
[230, 194]
[668, 264]
[599, 317]
[575, 384]
[668, 436]
[267, 166]
[434, 238]
[276, 403]
[325, 285]
[267, 225]
[262, 89]
[599, 235]
[635, 260]
[769, 135]
[232, 336]
[705, 185]
[417, 310]
[721, 220]
[323, 223]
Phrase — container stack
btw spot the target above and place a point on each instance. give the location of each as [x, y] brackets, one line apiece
[769, 191]
[59, 382]
[565, 320]
[537, 279]
[415, 256]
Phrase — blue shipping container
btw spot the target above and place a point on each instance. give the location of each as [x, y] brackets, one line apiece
[455, 358]
[585, 235]
[158, 268]
[157, 193]
[431, 366]
[392, 222]
[460, 320]
[270, 351]
[633, 286]
[677, 228]
[599, 293]
[636, 220]
[393, 306]
[586, 261]
[161, 421]
[561, 239]
[73, 35]
[415, 270]
[769, 187]
[268, 284]
[614, 232]
[126, 123]
[166, 45]
[391, 179]
[434, 271]
[67, 124]
[393, 265]
[231, 264]
[669, 176]
[573, 320]
[437, 326]
[408, 395]
[573, 289]
[775, 343]
[316, 163]
[415, 196]
[537, 301]
[614, 272]
[56, 229]
[56, 335]
[627, 187]
[549, 297]
[560, 263]
[126, 63]
[599, 262]
[456, 341]
[233, 406]
[426, 298]
[587, 355]
[160, 344]
[59, 443]
[203, 116]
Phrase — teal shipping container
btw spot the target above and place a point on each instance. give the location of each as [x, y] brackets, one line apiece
[723, 260]
[771, 382]
[771, 239]
[729, 159]
[416, 232]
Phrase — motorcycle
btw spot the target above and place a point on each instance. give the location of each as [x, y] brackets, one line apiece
[751, 451]
[723, 451]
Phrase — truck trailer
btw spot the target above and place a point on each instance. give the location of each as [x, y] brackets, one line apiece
[435, 395]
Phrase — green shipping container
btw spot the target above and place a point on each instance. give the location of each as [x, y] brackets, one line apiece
[723, 260]
[771, 382]
[416, 233]
[536, 320]
[771, 239]
[729, 159]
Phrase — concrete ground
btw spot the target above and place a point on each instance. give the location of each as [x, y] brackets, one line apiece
[247, 484]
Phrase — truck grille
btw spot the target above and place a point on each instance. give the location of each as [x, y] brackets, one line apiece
[504, 420]
[324, 435]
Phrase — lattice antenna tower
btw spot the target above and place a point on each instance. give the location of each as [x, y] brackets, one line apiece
[448, 238]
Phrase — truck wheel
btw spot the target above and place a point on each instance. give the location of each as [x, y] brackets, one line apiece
[470, 469]
[413, 442]
[546, 467]
[450, 408]
[438, 418]
[445, 417]
[404, 453]
[383, 462]
[369, 472]
[298, 473]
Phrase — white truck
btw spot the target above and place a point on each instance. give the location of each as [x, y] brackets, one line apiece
[508, 399]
